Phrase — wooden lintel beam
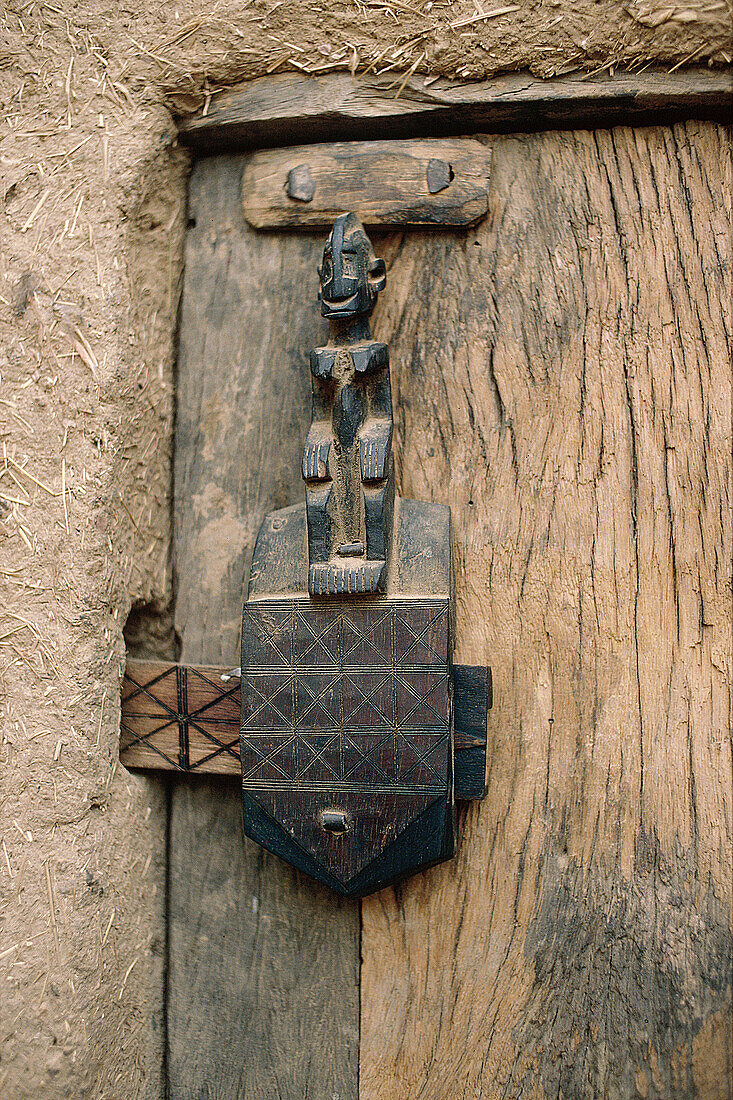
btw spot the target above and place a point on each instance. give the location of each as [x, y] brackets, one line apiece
[290, 109]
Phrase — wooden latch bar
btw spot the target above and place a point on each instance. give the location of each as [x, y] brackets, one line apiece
[186, 718]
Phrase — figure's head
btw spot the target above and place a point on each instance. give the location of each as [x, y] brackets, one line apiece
[351, 275]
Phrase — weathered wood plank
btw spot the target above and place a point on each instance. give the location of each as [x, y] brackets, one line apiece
[561, 378]
[263, 966]
[290, 109]
[396, 184]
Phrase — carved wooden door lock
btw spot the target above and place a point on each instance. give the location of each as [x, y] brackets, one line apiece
[357, 733]
[347, 726]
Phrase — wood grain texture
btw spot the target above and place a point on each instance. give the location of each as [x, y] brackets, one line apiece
[386, 183]
[562, 380]
[289, 109]
[263, 965]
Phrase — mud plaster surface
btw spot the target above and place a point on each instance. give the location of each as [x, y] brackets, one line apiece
[92, 212]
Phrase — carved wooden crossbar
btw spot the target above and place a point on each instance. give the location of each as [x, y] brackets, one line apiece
[186, 719]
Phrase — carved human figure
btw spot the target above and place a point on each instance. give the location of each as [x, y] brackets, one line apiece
[347, 462]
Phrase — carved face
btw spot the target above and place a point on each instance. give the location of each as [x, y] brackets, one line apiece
[351, 275]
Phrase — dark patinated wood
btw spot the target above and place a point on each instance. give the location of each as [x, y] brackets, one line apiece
[472, 699]
[290, 109]
[345, 708]
[185, 718]
[249, 1011]
[390, 184]
[347, 466]
[347, 722]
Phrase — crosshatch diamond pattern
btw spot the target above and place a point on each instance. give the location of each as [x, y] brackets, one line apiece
[345, 697]
[162, 704]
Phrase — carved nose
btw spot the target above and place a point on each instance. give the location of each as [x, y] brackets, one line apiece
[341, 286]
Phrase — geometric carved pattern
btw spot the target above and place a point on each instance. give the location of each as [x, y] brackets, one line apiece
[155, 733]
[345, 707]
[347, 696]
[162, 705]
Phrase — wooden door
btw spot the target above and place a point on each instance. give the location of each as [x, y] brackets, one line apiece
[561, 379]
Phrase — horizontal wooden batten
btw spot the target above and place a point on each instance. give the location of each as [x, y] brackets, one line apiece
[390, 184]
[290, 109]
[186, 718]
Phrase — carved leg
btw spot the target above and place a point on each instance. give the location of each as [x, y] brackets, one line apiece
[319, 507]
[378, 502]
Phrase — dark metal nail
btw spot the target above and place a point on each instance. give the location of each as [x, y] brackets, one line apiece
[334, 821]
[439, 175]
[301, 185]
